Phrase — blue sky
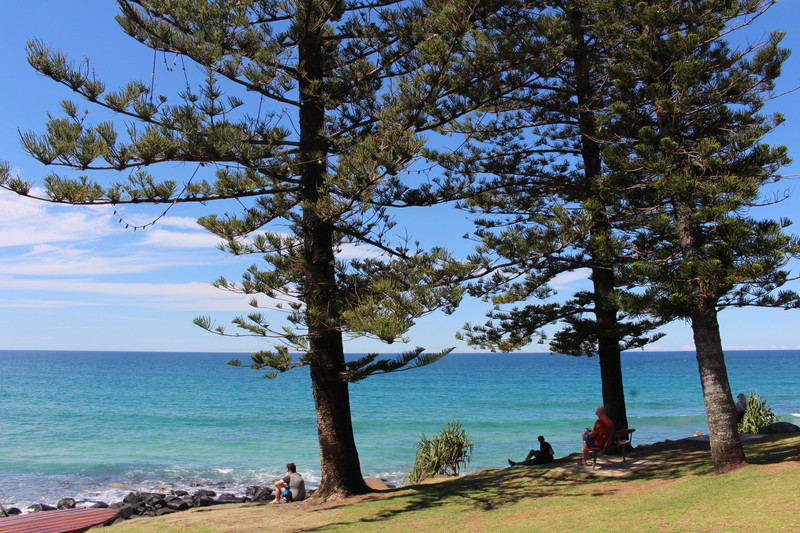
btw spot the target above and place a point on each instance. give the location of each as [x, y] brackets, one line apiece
[74, 278]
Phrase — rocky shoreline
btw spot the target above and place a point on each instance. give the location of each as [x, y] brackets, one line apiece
[138, 503]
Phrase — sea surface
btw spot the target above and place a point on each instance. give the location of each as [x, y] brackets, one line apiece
[95, 425]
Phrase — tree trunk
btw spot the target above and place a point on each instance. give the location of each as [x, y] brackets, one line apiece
[726, 448]
[608, 348]
[341, 469]
[603, 281]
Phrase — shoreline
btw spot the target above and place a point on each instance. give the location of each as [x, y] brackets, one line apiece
[117, 491]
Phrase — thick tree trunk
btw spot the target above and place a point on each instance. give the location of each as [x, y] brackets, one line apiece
[341, 469]
[606, 316]
[726, 448]
[608, 348]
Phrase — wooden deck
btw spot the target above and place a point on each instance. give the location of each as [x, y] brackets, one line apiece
[63, 521]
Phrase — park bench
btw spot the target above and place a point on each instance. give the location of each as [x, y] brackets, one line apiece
[618, 439]
[61, 521]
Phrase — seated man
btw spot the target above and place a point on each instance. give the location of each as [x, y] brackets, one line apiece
[291, 487]
[597, 436]
[537, 457]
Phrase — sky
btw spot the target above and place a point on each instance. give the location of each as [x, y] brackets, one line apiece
[73, 278]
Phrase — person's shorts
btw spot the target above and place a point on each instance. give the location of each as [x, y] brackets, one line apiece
[590, 441]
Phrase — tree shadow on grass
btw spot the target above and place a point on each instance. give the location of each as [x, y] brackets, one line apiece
[493, 489]
[482, 491]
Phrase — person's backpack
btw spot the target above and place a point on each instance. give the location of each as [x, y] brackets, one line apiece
[287, 495]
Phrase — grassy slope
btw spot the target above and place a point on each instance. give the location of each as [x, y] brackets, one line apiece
[680, 494]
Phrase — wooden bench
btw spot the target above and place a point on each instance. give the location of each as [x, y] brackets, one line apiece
[618, 439]
[62, 521]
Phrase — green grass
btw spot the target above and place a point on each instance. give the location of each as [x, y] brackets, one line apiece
[680, 494]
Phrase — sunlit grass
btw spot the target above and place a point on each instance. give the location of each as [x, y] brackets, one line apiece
[679, 494]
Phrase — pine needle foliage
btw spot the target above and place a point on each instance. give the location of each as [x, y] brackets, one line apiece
[311, 115]
[688, 113]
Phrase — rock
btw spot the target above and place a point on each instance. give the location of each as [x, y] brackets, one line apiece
[205, 493]
[132, 497]
[697, 434]
[177, 504]
[13, 511]
[99, 505]
[126, 511]
[66, 503]
[778, 427]
[258, 493]
[165, 510]
[36, 507]
[156, 503]
[376, 483]
[164, 488]
[205, 501]
[232, 498]
[179, 492]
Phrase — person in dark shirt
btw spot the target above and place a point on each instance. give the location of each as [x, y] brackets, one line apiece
[537, 457]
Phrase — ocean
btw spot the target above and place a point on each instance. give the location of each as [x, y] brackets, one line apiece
[95, 425]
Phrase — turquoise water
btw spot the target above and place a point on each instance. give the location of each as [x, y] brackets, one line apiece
[94, 425]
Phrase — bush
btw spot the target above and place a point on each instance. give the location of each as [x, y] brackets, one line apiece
[756, 415]
[442, 454]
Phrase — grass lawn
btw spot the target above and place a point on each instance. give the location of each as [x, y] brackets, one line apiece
[679, 494]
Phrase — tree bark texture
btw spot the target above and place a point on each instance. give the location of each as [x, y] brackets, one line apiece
[603, 279]
[341, 469]
[727, 452]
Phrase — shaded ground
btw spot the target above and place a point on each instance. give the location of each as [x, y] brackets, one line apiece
[678, 492]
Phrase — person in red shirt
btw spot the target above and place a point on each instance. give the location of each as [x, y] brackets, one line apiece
[597, 436]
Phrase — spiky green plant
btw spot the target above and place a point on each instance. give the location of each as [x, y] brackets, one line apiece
[444, 453]
[757, 414]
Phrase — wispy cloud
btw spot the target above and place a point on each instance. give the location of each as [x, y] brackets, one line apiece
[567, 279]
[193, 295]
[26, 222]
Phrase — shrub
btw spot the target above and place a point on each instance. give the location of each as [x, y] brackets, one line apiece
[442, 454]
[756, 415]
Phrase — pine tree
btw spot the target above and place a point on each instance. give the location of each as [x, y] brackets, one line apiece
[349, 89]
[688, 108]
[546, 202]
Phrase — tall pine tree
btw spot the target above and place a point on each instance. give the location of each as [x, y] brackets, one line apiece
[688, 116]
[546, 203]
[349, 88]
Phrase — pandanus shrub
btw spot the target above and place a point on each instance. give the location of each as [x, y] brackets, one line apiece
[445, 453]
[757, 415]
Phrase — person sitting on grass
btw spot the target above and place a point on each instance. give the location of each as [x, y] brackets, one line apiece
[291, 487]
[541, 456]
[597, 436]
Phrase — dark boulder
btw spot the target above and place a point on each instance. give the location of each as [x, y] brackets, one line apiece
[99, 505]
[133, 497]
[125, 511]
[13, 511]
[66, 503]
[177, 504]
[258, 493]
[232, 498]
[36, 507]
[779, 427]
[204, 501]
[165, 510]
